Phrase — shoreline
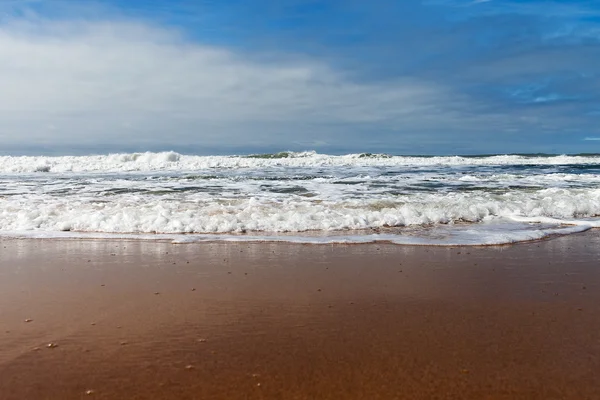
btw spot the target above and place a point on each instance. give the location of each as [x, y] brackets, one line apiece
[317, 238]
[227, 320]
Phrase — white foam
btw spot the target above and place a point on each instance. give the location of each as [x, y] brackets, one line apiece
[201, 213]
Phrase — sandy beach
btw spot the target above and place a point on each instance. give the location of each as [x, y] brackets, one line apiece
[147, 320]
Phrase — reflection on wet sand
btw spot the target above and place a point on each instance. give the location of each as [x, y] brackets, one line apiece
[135, 319]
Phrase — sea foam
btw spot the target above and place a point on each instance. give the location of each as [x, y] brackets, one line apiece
[294, 196]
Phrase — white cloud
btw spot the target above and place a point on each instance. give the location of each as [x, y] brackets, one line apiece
[592, 138]
[126, 82]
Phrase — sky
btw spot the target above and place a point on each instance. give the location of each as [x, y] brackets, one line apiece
[337, 76]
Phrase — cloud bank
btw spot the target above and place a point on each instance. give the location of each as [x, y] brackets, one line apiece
[110, 83]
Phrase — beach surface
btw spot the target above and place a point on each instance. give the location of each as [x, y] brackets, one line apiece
[155, 320]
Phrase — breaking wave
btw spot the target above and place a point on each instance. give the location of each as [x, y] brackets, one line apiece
[171, 161]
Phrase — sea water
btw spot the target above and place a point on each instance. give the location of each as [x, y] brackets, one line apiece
[300, 197]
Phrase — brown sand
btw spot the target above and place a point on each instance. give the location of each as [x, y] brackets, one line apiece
[142, 320]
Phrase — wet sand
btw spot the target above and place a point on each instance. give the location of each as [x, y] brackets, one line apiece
[142, 320]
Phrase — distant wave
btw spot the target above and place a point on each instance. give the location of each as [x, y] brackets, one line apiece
[171, 161]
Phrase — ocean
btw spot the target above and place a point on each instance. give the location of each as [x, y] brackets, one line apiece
[301, 197]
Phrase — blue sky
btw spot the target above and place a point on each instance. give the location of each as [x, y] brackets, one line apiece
[405, 77]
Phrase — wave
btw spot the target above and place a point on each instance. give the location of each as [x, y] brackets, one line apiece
[133, 212]
[171, 161]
